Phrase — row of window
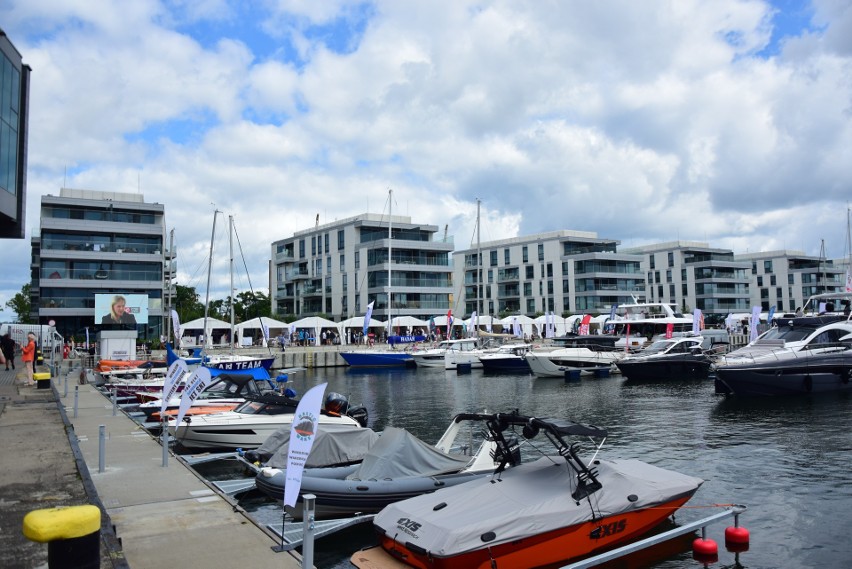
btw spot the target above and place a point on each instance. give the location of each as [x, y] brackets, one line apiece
[99, 214]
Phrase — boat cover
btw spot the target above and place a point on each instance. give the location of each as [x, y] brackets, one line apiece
[399, 454]
[530, 499]
[329, 447]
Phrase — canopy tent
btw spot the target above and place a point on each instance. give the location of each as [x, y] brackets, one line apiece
[274, 328]
[409, 322]
[356, 322]
[197, 329]
[522, 320]
[560, 325]
[315, 324]
[485, 322]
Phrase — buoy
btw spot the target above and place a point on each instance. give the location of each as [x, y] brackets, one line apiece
[705, 547]
[736, 539]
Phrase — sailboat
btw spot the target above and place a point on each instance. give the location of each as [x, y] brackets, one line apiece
[383, 357]
[229, 361]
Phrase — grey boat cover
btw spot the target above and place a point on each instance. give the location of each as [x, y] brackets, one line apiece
[399, 454]
[329, 448]
[530, 499]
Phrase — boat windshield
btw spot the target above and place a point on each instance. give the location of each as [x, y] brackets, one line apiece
[264, 408]
[657, 347]
[788, 334]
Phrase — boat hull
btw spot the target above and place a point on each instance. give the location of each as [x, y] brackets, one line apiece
[505, 365]
[557, 362]
[805, 376]
[236, 430]
[677, 368]
[580, 540]
[378, 359]
[241, 364]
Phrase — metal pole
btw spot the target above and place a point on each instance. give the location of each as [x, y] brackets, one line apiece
[114, 400]
[165, 442]
[101, 448]
[308, 531]
[65, 394]
[76, 394]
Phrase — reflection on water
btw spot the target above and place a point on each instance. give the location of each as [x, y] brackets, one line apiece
[787, 459]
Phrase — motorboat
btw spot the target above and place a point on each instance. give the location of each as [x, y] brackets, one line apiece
[684, 357]
[396, 466]
[821, 370]
[635, 323]
[508, 358]
[459, 354]
[227, 362]
[250, 424]
[113, 365]
[556, 362]
[378, 358]
[225, 393]
[552, 510]
[434, 357]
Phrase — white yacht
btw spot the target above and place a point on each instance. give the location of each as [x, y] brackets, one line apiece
[434, 357]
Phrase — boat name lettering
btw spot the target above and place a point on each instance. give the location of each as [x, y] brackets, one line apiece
[408, 526]
[609, 529]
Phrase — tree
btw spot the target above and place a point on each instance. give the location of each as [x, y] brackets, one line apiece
[21, 306]
[251, 304]
[187, 303]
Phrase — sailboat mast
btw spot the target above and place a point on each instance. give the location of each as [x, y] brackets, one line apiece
[390, 234]
[478, 262]
[209, 271]
[231, 271]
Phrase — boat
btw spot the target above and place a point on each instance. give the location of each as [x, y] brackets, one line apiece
[810, 370]
[508, 358]
[434, 356]
[460, 354]
[637, 322]
[225, 393]
[684, 357]
[114, 365]
[378, 358]
[396, 466]
[225, 362]
[250, 424]
[552, 510]
[557, 362]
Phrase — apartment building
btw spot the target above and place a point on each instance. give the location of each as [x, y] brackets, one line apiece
[95, 245]
[14, 120]
[338, 268]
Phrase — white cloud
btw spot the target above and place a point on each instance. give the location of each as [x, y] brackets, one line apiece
[641, 121]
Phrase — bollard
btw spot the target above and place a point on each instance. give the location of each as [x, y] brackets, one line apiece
[76, 397]
[65, 394]
[308, 530]
[101, 448]
[72, 535]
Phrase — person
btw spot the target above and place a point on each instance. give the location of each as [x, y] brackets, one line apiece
[118, 314]
[28, 357]
[7, 347]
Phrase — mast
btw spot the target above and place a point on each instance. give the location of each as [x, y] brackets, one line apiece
[478, 262]
[390, 234]
[231, 271]
[209, 270]
[848, 286]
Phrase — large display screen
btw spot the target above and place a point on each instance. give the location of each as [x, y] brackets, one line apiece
[121, 310]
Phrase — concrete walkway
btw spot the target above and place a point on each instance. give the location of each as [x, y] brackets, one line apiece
[153, 516]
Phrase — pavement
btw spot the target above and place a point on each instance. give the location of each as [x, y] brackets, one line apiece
[152, 515]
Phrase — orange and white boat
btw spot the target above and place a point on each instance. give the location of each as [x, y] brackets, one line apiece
[114, 365]
[553, 510]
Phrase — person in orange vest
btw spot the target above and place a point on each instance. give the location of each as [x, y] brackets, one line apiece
[28, 357]
[65, 351]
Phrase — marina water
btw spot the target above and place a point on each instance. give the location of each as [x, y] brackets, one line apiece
[787, 459]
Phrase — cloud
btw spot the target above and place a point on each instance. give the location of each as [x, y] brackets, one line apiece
[642, 122]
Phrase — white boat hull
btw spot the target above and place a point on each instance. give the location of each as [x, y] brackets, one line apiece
[555, 363]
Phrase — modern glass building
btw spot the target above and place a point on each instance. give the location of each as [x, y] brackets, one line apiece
[14, 110]
[95, 245]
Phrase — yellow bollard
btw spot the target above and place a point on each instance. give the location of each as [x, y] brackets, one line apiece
[72, 535]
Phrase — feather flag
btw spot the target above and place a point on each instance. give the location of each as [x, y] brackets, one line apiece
[474, 323]
[176, 374]
[197, 382]
[849, 280]
[754, 323]
[449, 322]
[697, 317]
[176, 327]
[368, 316]
[584, 324]
[303, 431]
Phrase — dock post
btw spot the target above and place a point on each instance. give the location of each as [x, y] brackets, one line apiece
[72, 535]
[308, 531]
[165, 442]
[76, 397]
[101, 448]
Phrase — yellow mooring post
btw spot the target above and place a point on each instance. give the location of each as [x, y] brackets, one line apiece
[72, 535]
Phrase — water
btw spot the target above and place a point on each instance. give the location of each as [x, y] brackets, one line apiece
[787, 459]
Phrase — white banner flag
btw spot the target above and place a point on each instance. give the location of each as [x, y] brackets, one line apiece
[197, 382]
[303, 431]
[696, 321]
[176, 374]
[176, 327]
[754, 323]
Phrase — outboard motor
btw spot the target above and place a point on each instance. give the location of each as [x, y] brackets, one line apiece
[514, 445]
[359, 414]
[336, 404]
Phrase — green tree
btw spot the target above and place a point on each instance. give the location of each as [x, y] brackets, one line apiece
[187, 303]
[21, 306]
[251, 304]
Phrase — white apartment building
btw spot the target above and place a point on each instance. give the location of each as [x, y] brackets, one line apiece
[338, 268]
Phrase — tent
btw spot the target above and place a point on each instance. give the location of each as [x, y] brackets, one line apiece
[524, 321]
[560, 325]
[315, 324]
[196, 329]
[357, 323]
[274, 327]
[409, 322]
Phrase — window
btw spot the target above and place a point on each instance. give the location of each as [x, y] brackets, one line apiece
[357, 260]
[313, 246]
[671, 259]
[342, 263]
[490, 276]
[759, 281]
[550, 287]
[493, 258]
[772, 280]
[301, 248]
[530, 305]
[340, 240]
[328, 265]
[530, 272]
[550, 270]
[767, 266]
[790, 279]
[754, 267]
[541, 251]
[326, 242]
[506, 257]
[652, 262]
[525, 254]
[668, 275]
[345, 285]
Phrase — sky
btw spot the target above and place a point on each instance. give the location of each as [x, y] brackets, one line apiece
[727, 122]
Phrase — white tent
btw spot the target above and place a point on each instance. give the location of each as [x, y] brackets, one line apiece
[560, 325]
[524, 321]
[274, 327]
[315, 324]
[356, 322]
[197, 325]
[409, 322]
